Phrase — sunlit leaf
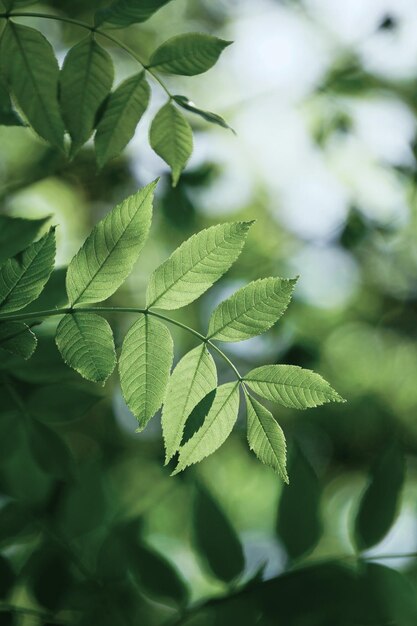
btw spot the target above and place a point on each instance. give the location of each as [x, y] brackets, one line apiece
[122, 112]
[291, 386]
[31, 69]
[266, 438]
[126, 12]
[17, 338]
[196, 265]
[171, 137]
[216, 541]
[213, 118]
[216, 428]
[144, 366]
[188, 54]
[17, 233]
[110, 251]
[23, 277]
[86, 79]
[192, 379]
[379, 504]
[252, 310]
[85, 341]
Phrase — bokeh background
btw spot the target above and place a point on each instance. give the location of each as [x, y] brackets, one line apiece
[323, 98]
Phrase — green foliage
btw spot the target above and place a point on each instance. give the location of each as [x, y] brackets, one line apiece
[213, 118]
[85, 81]
[145, 363]
[126, 12]
[8, 116]
[189, 54]
[17, 338]
[217, 543]
[30, 67]
[171, 137]
[16, 234]
[379, 504]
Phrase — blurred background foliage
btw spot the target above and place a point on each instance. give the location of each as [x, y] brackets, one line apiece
[323, 97]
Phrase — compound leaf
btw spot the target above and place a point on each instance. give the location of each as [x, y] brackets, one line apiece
[216, 428]
[266, 438]
[196, 265]
[17, 233]
[86, 79]
[192, 379]
[252, 310]
[110, 251]
[144, 366]
[291, 386]
[213, 118]
[188, 54]
[23, 277]
[216, 540]
[379, 503]
[17, 338]
[85, 341]
[122, 112]
[126, 12]
[32, 71]
[171, 137]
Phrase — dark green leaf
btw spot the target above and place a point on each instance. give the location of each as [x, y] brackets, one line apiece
[7, 577]
[379, 504]
[58, 404]
[126, 12]
[213, 118]
[50, 451]
[298, 523]
[215, 539]
[122, 112]
[86, 79]
[8, 116]
[17, 233]
[32, 71]
[17, 338]
[189, 54]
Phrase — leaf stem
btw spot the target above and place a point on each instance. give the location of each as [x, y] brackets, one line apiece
[124, 309]
[98, 31]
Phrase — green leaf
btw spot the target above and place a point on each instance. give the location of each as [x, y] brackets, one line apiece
[215, 430]
[122, 112]
[86, 79]
[266, 438]
[59, 404]
[110, 251]
[49, 451]
[17, 233]
[379, 504]
[126, 12]
[8, 116]
[252, 310]
[17, 338]
[196, 265]
[144, 366]
[156, 576]
[192, 379]
[298, 520]
[213, 118]
[23, 277]
[291, 386]
[216, 541]
[32, 71]
[171, 137]
[86, 344]
[188, 54]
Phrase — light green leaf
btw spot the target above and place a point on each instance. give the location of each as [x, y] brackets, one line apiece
[266, 438]
[17, 233]
[215, 430]
[122, 112]
[110, 251]
[291, 386]
[144, 366]
[32, 71]
[196, 265]
[86, 79]
[126, 12]
[188, 54]
[252, 310]
[171, 137]
[8, 115]
[213, 118]
[86, 344]
[17, 338]
[192, 379]
[23, 277]
[380, 501]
